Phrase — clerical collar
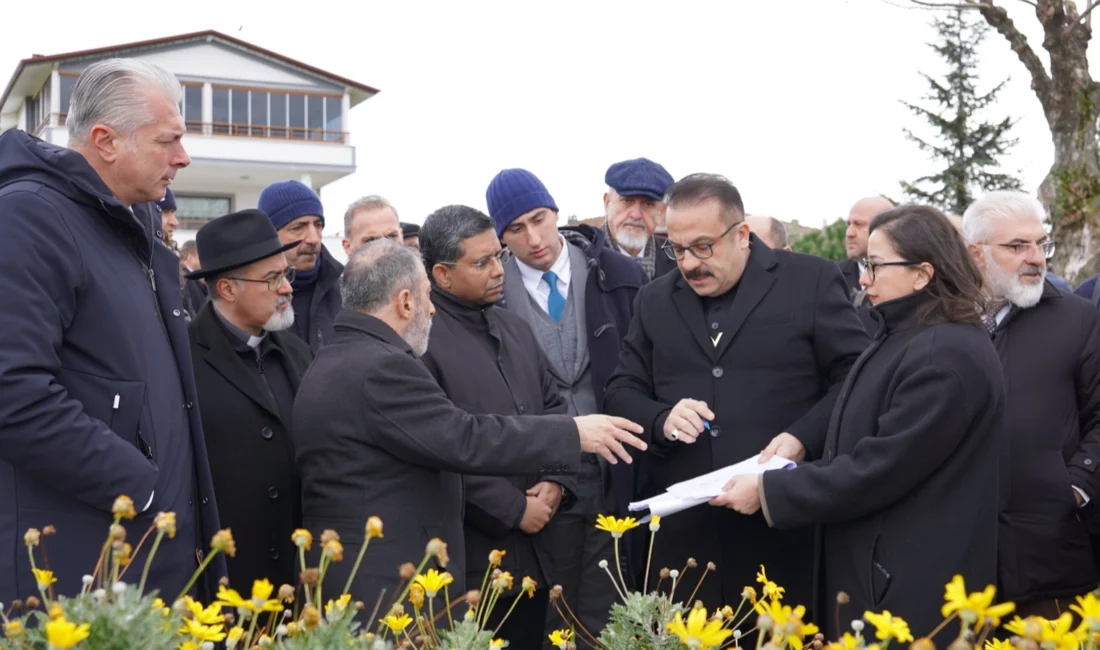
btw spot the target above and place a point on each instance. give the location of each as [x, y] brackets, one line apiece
[241, 335]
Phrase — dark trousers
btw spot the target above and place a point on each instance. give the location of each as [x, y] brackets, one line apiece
[576, 550]
[523, 627]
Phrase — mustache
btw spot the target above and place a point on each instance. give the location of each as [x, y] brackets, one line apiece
[1031, 269]
[282, 300]
[309, 249]
[697, 274]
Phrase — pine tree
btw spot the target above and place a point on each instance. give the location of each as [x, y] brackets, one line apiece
[827, 242]
[969, 146]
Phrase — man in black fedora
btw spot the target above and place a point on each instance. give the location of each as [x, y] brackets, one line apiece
[248, 367]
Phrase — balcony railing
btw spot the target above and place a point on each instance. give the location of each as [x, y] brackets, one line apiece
[290, 133]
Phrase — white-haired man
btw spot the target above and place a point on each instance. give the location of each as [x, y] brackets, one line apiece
[95, 368]
[1049, 344]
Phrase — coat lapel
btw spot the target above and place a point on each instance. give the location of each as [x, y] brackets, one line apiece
[221, 356]
[690, 308]
[755, 283]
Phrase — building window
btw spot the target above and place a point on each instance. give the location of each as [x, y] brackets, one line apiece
[273, 114]
[191, 108]
[31, 115]
[38, 110]
[297, 116]
[334, 119]
[68, 82]
[194, 211]
[221, 110]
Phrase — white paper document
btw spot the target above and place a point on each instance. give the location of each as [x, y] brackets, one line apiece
[699, 490]
[710, 485]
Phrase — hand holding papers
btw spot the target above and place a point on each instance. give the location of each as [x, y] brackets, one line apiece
[699, 490]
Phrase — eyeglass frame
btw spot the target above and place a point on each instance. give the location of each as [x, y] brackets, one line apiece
[482, 265]
[1046, 247]
[288, 274]
[869, 266]
[670, 249]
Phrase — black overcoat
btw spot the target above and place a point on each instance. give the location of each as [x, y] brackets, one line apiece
[1051, 359]
[787, 345]
[374, 434]
[251, 456]
[907, 493]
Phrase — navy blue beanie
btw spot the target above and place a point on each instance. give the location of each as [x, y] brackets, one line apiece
[513, 193]
[286, 201]
[168, 202]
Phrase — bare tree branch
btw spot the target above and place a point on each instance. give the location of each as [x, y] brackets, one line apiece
[1030, 2]
[1085, 18]
[946, 5]
[998, 19]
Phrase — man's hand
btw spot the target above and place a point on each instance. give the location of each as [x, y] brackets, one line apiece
[685, 422]
[605, 435]
[742, 494]
[549, 493]
[786, 446]
[536, 516]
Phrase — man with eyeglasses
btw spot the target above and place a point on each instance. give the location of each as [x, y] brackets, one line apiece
[248, 365]
[1049, 344]
[744, 350]
[577, 294]
[488, 361]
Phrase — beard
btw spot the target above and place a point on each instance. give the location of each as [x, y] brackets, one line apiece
[281, 319]
[634, 238]
[1008, 285]
[420, 330]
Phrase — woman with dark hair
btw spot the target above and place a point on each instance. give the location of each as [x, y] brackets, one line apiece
[906, 495]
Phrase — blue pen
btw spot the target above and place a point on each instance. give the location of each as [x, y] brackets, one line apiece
[706, 425]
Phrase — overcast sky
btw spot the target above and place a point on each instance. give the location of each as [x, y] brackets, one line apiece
[797, 102]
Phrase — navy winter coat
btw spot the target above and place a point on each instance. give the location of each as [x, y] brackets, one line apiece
[97, 393]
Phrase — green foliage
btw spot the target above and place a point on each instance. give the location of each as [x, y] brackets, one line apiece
[827, 243]
[1076, 194]
[466, 634]
[968, 147]
[639, 624]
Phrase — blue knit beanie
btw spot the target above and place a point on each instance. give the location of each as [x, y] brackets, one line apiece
[286, 201]
[513, 193]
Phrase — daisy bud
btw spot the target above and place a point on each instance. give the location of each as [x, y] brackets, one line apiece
[407, 571]
[32, 603]
[166, 523]
[374, 527]
[603, 564]
[858, 625]
[842, 598]
[473, 597]
[223, 541]
[437, 548]
[123, 508]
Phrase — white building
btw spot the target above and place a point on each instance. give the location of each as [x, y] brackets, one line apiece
[253, 117]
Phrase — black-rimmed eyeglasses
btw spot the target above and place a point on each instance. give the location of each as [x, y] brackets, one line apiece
[870, 266]
[274, 282]
[701, 251]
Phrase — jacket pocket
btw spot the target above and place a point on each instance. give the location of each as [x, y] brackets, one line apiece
[128, 416]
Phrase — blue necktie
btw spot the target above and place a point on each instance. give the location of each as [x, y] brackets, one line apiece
[555, 304]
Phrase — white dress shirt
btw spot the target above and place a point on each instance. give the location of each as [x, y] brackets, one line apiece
[537, 288]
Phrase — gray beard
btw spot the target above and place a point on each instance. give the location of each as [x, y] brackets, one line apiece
[280, 320]
[419, 332]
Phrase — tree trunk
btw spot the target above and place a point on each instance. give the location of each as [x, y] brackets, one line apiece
[1070, 100]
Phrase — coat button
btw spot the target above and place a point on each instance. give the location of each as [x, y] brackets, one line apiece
[273, 492]
[267, 433]
[717, 372]
[715, 431]
[714, 326]
[205, 501]
[274, 554]
[176, 313]
[522, 408]
[189, 405]
[1088, 461]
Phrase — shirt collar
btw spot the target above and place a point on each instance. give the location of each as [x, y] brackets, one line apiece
[239, 334]
[561, 267]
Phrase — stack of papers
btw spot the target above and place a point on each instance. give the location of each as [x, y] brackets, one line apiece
[699, 490]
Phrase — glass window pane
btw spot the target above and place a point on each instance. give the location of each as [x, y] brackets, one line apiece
[221, 110]
[31, 111]
[259, 114]
[238, 112]
[194, 211]
[316, 115]
[278, 115]
[334, 123]
[67, 84]
[192, 107]
[298, 116]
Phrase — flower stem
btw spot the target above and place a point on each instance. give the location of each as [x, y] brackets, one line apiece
[447, 597]
[409, 584]
[355, 567]
[198, 572]
[619, 569]
[509, 612]
[302, 559]
[44, 592]
[484, 582]
[706, 570]
[939, 627]
[149, 562]
[648, 562]
[621, 594]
